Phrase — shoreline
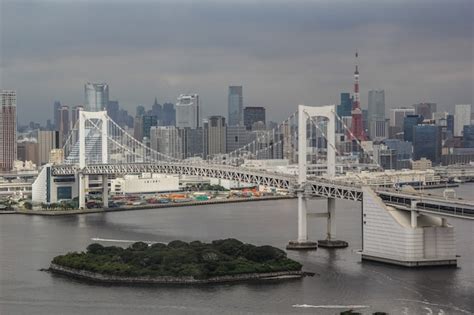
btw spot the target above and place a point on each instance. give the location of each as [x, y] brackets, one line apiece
[110, 279]
[144, 207]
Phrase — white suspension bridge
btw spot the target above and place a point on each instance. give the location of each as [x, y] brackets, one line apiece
[398, 227]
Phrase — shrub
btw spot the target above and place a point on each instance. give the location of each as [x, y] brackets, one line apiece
[139, 246]
[95, 248]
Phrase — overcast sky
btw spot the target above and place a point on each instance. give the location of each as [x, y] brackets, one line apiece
[284, 53]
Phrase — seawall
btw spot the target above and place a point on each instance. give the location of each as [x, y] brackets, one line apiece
[98, 277]
[148, 206]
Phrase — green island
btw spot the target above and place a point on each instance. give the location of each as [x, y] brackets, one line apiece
[178, 262]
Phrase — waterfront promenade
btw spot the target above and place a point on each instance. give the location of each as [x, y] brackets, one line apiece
[146, 206]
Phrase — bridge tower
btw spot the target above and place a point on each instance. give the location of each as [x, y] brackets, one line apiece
[100, 119]
[305, 113]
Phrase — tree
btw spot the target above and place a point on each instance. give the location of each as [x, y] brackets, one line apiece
[27, 205]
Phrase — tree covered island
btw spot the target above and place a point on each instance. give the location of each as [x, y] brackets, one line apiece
[178, 262]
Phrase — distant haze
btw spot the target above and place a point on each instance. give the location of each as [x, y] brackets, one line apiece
[284, 53]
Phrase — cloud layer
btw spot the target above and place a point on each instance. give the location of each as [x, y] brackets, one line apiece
[282, 52]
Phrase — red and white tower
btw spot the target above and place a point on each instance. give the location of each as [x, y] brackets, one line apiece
[357, 128]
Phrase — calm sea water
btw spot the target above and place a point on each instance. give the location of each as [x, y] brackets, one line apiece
[28, 243]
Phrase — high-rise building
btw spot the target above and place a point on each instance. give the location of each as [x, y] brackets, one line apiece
[187, 111]
[409, 122]
[113, 110]
[192, 142]
[75, 114]
[214, 136]
[378, 129]
[27, 150]
[169, 114]
[157, 110]
[376, 104]
[96, 96]
[253, 114]
[148, 121]
[47, 141]
[427, 142]
[468, 136]
[462, 117]
[138, 128]
[166, 140]
[345, 108]
[376, 110]
[64, 126]
[236, 137]
[8, 147]
[425, 109]
[235, 106]
[140, 110]
[56, 107]
[397, 116]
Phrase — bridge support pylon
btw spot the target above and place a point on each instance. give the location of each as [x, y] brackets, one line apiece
[331, 241]
[83, 185]
[105, 191]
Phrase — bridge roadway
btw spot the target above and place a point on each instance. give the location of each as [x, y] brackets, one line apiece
[322, 187]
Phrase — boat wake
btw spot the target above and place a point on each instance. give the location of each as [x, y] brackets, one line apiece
[331, 306]
[98, 239]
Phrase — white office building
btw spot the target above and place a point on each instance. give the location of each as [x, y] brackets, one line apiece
[462, 117]
[397, 115]
[166, 140]
[187, 111]
[96, 96]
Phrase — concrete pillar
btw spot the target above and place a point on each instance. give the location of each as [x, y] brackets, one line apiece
[82, 140]
[444, 222]
[331, 228]
[82, 191]
[105, 191]
[302, 223]
[414, 219]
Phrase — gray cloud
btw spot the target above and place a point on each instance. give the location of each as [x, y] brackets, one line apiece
[283, 52]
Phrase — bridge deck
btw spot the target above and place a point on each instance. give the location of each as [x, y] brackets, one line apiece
[320, 187]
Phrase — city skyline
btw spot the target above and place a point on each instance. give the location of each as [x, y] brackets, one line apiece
[309, 59]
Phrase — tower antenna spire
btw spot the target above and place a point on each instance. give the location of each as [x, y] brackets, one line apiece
[357, 128]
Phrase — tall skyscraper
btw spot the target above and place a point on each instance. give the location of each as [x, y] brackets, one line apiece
[409, 123]
[468, 136]
[187, 111]
[344, 109]
[376, 105]
[462, 117]
[215, 136]
[56, 107]
[169, 114]
[64, 126]
[157, 110]
[236, 137]
[148, 121]
[427, 142]
[235, 106]
[397, 116]
[75, 114]
[96, 96]
[377, 121]
[113, 110]
[192, 142]
[253, 115]
[425, 109]
[8, 149]
[140, 110]
[47, 141]
[167, 140]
